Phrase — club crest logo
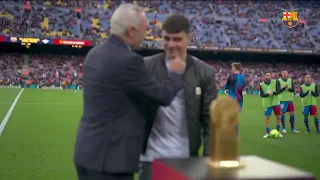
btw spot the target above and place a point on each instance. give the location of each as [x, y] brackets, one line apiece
[290, 19]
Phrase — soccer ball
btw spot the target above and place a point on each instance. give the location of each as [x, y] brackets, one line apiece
[274, 133]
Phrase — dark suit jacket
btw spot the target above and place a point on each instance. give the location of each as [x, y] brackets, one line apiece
[197, 75]
[111, 131]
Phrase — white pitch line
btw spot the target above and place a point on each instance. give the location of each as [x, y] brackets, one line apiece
[8, 115]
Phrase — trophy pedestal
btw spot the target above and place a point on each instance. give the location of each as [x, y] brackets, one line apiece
[195, 168]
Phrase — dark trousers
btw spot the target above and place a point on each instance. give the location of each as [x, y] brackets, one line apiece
[145, 171]
[86, 174]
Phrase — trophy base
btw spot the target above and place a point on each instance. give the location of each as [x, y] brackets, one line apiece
[247, 168]
[225, 169]
[225, 164]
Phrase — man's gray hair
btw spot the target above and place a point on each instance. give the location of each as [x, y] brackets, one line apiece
[125, 15]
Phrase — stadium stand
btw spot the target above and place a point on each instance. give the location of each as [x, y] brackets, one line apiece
[55, 69]
[219, 23]
[248, 24]
[48, 70]
[10, 68]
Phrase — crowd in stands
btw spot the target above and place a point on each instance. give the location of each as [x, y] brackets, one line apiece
[47, 70]
[10, 68]
[60, 70]
[218, 23]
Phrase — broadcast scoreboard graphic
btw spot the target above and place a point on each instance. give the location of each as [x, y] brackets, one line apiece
[28, 41]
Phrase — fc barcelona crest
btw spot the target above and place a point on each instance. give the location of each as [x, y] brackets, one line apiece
[290, 19]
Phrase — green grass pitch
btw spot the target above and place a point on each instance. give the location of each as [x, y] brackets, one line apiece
[38, 140]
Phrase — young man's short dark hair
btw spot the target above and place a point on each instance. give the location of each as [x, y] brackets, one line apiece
[176, 23]
[237, 66]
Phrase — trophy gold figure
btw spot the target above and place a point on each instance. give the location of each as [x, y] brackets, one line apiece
[224, 148]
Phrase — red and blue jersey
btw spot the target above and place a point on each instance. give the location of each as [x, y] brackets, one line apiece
[235, 85]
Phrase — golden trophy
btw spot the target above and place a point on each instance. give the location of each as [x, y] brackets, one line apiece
[224, 159]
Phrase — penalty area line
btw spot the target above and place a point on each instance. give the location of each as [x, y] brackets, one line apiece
[8, 115]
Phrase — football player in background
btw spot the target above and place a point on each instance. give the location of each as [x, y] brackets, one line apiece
[269, 92]
[235, 85]
[309, 93]
[286, 101]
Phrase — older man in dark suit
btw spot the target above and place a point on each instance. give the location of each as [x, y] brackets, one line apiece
[111, 131]
[175, 130]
